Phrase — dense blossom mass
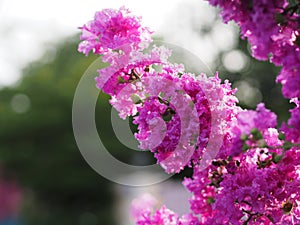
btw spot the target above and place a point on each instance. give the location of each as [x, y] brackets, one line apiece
[273, 29]
[174, 110]
[112, 30]
[246, 171]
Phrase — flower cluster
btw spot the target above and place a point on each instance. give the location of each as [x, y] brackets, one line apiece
[245, 170]
[142, 207]
[257, 181]
[112, 30]
[176, 112]
[276, 38]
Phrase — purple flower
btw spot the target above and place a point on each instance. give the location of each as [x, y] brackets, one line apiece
[292, 132]
[112, 30]
[245, 172]
[294, 121]
[261, 119]
[276, 37]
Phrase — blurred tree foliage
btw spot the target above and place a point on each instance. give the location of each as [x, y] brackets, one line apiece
[38, 145]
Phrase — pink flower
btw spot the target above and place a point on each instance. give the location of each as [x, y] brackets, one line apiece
[112, 30]
[289, 75]
[163, 216]
[189, 219]
[178, 145]
[148, 123]
[245, 172]
[292, 132]
[275, 38]
[128, 68]
[203, 106]
[294, 121]
[261, 119]
[142, 206]
[125, 102]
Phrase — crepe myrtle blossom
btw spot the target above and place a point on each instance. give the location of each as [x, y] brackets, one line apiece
[252, 174]
[247, 121]
[257, 183]
[165, 216]
[112, 30]
[161, 96]
[292, 129]
[248, 194]
[164, 102]
[276, 38]
[129, 69]
[143, 205]
[146, 211]
[294, 121]
[178, 111]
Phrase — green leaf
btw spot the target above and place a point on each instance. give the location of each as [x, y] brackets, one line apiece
[245, 147]
[256, 134]
[167, 117]
[279, 18]
[244, 137]
[136, 99]
[121, 80]
[276, 158]
[281, 136]
[287, 145]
